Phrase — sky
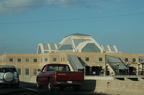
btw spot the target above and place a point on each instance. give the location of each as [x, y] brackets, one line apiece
[26, 23]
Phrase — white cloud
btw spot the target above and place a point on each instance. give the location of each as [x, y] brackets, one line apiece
[16, 5]
[20, 5]
[63, 2]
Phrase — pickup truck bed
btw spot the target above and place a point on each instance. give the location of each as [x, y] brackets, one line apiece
[59, 77]
[69, 77]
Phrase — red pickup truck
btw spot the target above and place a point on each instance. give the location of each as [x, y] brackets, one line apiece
[59, 75]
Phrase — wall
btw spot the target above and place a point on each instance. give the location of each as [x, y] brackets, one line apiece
[62, 58]
[112, 87]
[118, 87]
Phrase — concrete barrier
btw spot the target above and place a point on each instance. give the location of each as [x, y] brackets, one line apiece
[117, 87]
[27, 78]
[112, 87]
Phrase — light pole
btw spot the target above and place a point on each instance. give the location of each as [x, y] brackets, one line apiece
[127, 65]
[106, 69]
[138, 68]
[117, 66]
[142, 62]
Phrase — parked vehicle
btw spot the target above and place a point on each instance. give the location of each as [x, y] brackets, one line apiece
[59, 75]
[9, 76]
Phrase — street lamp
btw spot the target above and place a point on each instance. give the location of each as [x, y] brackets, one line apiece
[116, 68]
[127, 65]
[142, 62]
[106, 69]
[138, 68]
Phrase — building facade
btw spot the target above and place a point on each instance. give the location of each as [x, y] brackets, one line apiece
[27, 64]
[82, 53]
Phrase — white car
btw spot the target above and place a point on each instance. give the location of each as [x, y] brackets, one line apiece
[9, 76]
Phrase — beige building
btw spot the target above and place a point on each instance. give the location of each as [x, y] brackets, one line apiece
[27, 64]
[82, 53]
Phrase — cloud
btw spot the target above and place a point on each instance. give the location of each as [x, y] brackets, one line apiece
[16, 5]
[63, 2]
[21, 5]
[74, 3]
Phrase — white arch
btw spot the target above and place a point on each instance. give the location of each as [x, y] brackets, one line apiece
[83, 44]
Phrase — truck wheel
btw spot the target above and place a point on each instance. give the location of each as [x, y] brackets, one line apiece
[76, 88]
[50, 87]
[38, 85]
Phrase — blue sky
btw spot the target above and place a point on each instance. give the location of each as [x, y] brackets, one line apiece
[25, 23]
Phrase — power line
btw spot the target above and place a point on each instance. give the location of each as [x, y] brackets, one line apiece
[73, 19]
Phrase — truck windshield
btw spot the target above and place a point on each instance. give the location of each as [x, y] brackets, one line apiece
[58, 68]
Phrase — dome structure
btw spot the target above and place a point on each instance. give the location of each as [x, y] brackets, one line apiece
[76, 43]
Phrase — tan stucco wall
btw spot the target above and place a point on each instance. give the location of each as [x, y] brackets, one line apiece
[31, 65]
[63, 58]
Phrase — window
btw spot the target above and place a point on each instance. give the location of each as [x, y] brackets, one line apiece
[100, 59]
[34, 71]
[35, 60]
[45, 59]
[80, 59]
[126, 59]
[19, 71]
[39, 50]
[19, 60]
[54, 59]
[58, 68]
[26, 71]
[27, 60]
[46, 51]
[133, 60]
[44, 68]
[62, 59]
[10, 59]
[87, 59]
[90, 47]
[4, 70]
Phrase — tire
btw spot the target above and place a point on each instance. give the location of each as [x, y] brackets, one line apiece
[39, 86]
[77, 88]
[50, 87]
[8, 77]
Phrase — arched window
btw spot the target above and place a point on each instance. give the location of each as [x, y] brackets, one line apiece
[90, 47]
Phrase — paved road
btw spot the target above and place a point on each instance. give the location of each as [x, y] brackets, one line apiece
[30, 89]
